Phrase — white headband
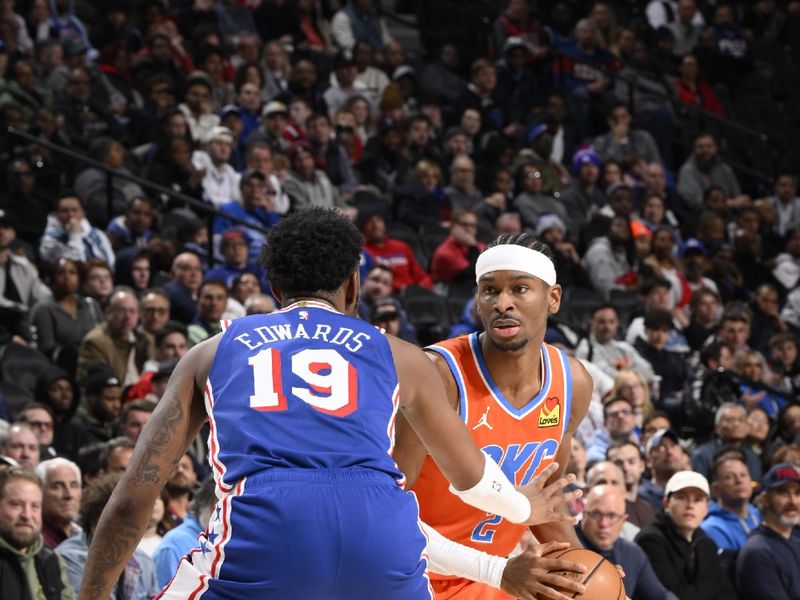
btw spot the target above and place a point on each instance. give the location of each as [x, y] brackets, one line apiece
[512, 257]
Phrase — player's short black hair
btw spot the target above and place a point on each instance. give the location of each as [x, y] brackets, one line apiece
[524, 239]
[311, 252]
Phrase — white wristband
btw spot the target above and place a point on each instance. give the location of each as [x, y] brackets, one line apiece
[446, 557]
[495, 494]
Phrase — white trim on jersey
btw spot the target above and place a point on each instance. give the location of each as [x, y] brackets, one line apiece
[217, 466]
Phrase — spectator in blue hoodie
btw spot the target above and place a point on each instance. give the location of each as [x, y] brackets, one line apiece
[731, 518]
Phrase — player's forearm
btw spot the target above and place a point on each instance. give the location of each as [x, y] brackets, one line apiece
[447, 557]
[119, 531]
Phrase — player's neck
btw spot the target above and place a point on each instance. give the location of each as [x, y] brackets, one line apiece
[518, 373]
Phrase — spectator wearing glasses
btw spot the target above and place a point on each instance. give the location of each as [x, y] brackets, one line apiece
[619, 420]
[454, 260]
[599, 531]
[40, 417]
[155, 308]
[683, 556]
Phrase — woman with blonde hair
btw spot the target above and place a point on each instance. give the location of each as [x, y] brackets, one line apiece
[630, 385]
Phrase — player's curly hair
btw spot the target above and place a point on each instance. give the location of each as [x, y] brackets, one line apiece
[525, 239]
[311, 252]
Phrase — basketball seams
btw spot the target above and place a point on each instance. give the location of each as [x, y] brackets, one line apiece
[591, 573]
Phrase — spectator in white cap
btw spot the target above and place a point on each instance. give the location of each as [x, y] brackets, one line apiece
[683, 556]
[274, 119]
[769, 563]
[552, 230]
[220, 181]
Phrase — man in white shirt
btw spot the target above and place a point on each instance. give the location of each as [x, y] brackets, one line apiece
[221, 181]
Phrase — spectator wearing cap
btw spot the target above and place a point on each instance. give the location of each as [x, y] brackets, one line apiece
[274, 119]
[519, 91]
[695, 265]
[731, 518]
[70, 235]
[359, 20]
[197, 107]
[533, 200]
[231, 118]
[20, 286]
[554, 176]
[622, 143]
[221, 181]
[211, 302]
[234, 246]
[655, 296]
[730, 429]
[552, 230]
[395, 254]
[385, 313]
[608, 353]
[584, 197]
[768, 566]
[665, 457]
[683, 556]
[306, 185]
[117, 342]
[331, 157]
[454, 260]
[619, 422]
[669, 365]
[599, 531]
[344, 84]
[103, 397]
[254, 206]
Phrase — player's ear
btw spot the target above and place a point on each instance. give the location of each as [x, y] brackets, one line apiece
[353, 289]
[554, 299]
[276, 293]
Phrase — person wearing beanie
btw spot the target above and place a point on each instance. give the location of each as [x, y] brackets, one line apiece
[583, 198]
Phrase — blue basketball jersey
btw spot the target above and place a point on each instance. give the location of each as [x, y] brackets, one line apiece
[305, 387]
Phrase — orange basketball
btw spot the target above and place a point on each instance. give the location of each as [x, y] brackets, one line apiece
[601, 578]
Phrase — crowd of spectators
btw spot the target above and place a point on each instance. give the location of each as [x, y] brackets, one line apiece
[615, 130]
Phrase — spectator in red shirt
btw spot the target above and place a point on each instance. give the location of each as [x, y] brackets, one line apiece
[454, 260]
[395, 254]
[693, 90]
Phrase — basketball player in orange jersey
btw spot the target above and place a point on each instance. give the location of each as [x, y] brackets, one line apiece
[521, 400]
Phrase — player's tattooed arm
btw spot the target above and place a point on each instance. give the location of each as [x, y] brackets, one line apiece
[162, 443]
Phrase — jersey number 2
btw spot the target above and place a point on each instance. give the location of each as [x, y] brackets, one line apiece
[331, 381]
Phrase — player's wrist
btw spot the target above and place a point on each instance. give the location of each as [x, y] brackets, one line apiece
[495, 494]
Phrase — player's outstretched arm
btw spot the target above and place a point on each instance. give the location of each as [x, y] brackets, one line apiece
[474, 476]
[162, 443]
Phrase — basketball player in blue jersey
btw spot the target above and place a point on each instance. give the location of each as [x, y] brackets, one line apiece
[302, 405]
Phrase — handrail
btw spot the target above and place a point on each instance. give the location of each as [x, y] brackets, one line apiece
[111, 172]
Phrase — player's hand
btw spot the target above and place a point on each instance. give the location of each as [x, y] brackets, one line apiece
[528, 575]
[546, 501]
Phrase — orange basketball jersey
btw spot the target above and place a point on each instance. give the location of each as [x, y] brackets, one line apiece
[523, 441]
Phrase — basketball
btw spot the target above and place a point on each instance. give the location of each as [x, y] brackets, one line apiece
[601, 578]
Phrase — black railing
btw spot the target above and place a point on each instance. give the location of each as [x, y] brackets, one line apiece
[201, 207]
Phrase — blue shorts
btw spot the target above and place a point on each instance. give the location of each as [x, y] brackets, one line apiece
[309, 533]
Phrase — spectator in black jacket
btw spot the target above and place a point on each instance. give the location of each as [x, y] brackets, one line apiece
[682, 555]
[669, 365]
[421, 200]
[769, 564]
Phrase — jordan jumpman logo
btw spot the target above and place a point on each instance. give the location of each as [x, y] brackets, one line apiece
[483, 421]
